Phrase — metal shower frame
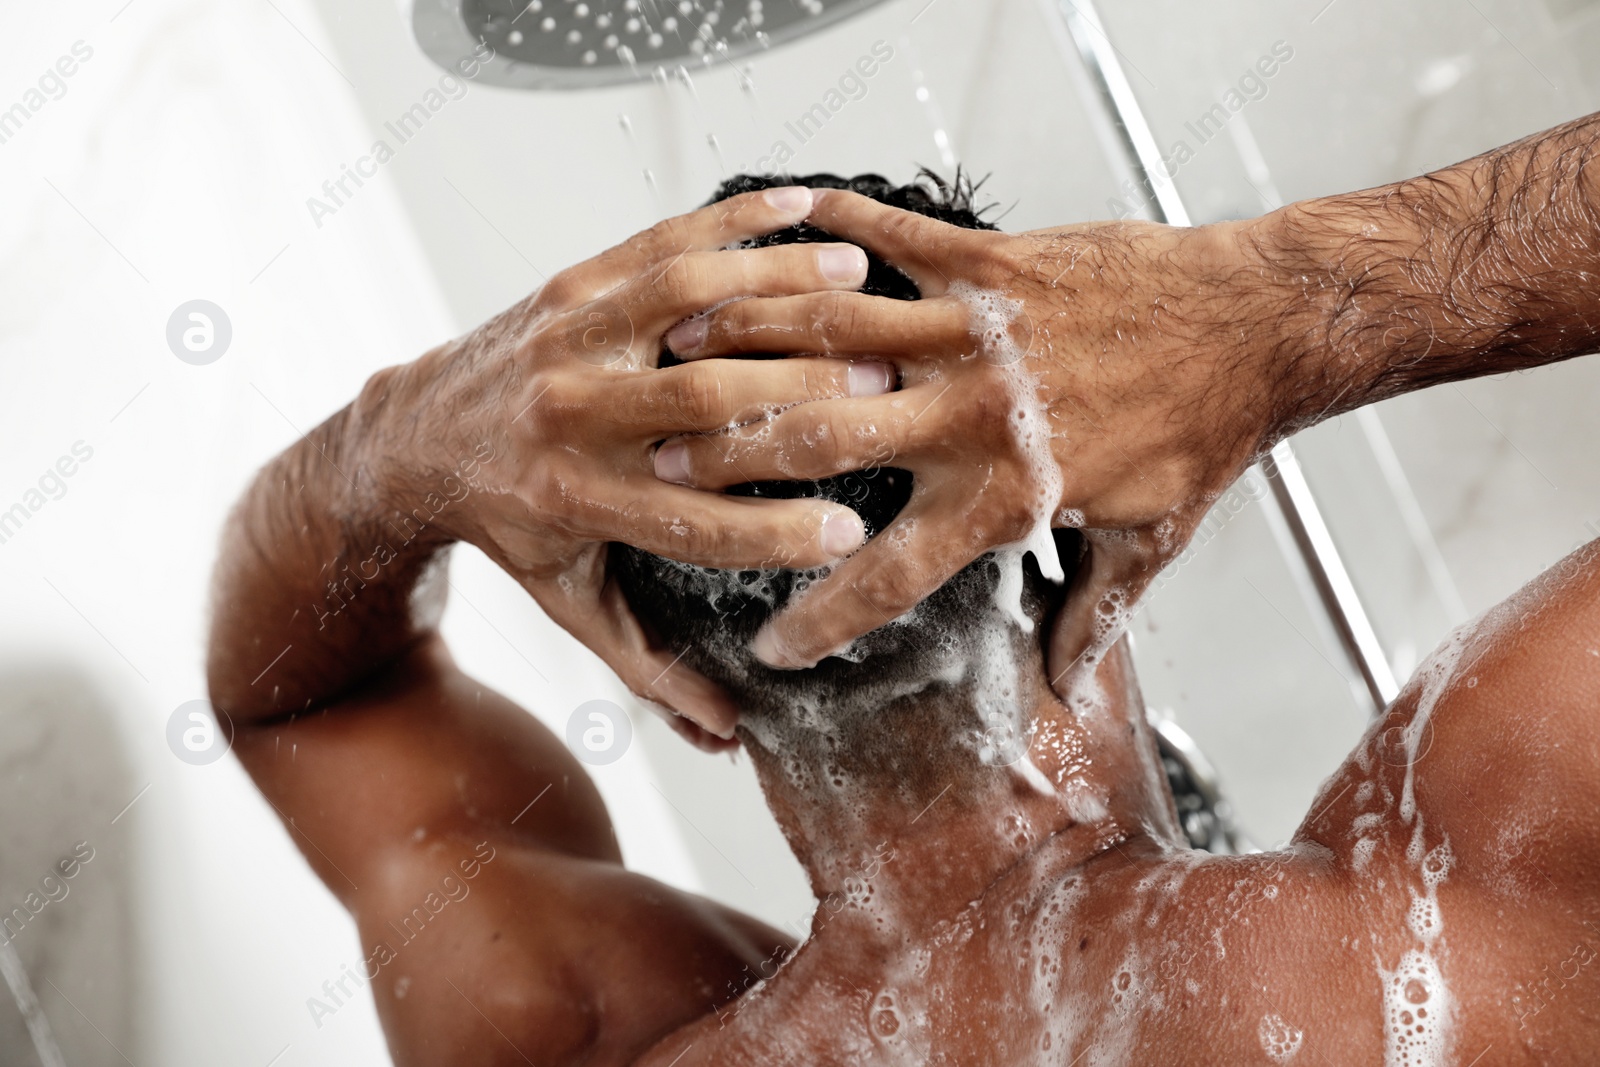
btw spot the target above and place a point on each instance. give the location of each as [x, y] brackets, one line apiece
[1291, 494]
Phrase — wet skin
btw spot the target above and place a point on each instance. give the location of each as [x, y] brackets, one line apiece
[1000, 922]
[1459, 858]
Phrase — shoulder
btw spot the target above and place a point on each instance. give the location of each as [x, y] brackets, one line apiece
[1474, 790]
[489, 951]
[1496, 741]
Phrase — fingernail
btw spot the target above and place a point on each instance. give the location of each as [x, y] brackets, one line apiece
[688, 335]
[791, 199]
[765, 648]
[672, 462]
[870, 379]
[846, 264]
[842, 533]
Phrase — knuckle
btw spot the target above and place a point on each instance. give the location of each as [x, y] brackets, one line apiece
[992, 411]
[901, 225]
[1013, 517]
[823, 382]
[729, 323]
[967, 333]
[701, 540]
[891, 589]
[996, 268]
[561, 291]
[668, 235]
[546, 402]
[991, 396]
[542, 490]
[835, 320]
[672, 283]
[824, 436]
[698, 395]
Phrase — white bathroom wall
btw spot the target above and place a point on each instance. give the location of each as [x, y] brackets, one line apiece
[177, 165]
[1497, 470]
[174, 167]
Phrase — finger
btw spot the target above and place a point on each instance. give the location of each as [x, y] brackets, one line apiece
[597, 614]
[690, 730]
[906, 239]
[1106, 591]
[659, 676]
[719, 393]
[809, 442]
[714, 226]
[683, 285]
[713, 530]
[833, 323]
[893, 574]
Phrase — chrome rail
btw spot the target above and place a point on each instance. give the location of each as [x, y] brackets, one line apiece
[1291, 494]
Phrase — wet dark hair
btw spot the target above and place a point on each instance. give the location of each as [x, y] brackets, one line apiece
[876, 495]
[711, 616]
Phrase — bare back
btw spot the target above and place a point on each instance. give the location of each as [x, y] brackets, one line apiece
[1441, 901]
[1439, 905]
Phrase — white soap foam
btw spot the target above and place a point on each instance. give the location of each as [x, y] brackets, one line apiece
[1034, 777]
[1417, 1011]
[992, 315]
[1112, 615]
[1279, 1040]
[1085, 806]
[1435, 676]
[1362, 823]
[1008, 594]
[1418, 1008]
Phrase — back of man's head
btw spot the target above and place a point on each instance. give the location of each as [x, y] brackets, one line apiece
[958, 640]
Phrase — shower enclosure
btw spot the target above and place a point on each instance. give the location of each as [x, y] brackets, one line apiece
[195, 139]
[1337, 576]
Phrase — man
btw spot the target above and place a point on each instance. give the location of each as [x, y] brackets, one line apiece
[1000, 875]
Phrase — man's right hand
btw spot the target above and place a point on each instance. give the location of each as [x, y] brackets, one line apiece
[565, 391]
[556, 406]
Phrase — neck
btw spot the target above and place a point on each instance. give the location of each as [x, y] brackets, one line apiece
[916, 803]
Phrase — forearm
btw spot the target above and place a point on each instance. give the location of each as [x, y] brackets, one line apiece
[331, 565]
[1487, 266]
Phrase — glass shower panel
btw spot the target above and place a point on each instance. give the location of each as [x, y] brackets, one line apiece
[1259, 103]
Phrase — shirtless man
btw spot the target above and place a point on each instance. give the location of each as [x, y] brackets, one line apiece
[983, 900]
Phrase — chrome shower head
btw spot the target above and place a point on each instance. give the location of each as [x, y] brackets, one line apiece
[582, 44]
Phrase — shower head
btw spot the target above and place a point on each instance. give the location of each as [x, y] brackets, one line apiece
[583, 44]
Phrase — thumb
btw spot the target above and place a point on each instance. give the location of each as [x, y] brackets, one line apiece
[691, 730]
[602, 619]
[659, 677]
[1105, 594]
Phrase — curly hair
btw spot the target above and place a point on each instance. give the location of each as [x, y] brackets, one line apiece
[711, 616]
